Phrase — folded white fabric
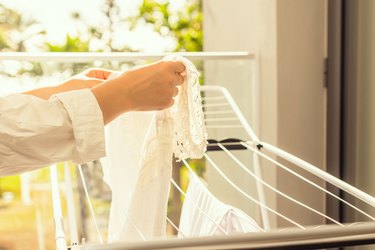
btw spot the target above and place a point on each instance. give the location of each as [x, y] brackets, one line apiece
[204, 215]
[139, 176]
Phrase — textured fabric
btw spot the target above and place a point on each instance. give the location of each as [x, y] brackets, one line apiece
[124, 141]
[204, 215]
[190, 134]
[148, 206]
[35, 132]
[140, 180]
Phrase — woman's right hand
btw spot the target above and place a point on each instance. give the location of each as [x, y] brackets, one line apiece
[150, 87]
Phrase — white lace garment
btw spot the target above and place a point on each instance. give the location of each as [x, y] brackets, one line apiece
[140, 146]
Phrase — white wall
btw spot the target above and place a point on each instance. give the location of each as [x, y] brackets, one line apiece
[243, 25]
[301, 95]
[288, 39]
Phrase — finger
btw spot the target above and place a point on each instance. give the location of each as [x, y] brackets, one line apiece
[99, 73]
[179, 67]
[178, 79]
[175, 91]
[170, 104]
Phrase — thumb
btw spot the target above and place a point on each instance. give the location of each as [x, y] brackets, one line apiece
[98, 73]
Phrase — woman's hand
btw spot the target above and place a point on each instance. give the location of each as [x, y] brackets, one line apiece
[150, 87]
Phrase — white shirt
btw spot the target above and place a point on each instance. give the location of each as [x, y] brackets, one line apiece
[35, 133]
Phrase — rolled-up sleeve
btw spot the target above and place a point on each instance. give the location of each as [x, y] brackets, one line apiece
[35, 133]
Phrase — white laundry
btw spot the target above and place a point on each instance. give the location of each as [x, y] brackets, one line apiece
[139, 164]
[204, 215]
[124, 141]
[147, 212]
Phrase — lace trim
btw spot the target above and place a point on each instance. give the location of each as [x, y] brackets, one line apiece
[190, 133]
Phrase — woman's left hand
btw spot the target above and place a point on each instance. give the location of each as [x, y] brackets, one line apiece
[87, 79]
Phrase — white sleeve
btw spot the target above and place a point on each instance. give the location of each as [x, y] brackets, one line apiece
[35, 133]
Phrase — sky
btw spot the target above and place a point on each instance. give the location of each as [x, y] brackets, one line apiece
[55, 16]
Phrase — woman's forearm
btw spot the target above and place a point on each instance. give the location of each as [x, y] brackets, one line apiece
[110, 100]
[87, 79]
[72, 84]
[46, 92]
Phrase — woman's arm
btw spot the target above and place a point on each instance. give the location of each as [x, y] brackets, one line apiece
[85, 80]
[36, 132]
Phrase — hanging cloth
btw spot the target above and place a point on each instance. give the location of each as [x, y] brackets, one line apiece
[124, 143]
[139, 206]
[204, 215]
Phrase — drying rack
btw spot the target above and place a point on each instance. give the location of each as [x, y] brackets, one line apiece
[222, 112]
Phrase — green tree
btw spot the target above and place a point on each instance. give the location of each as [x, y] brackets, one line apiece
[72, 44]
[184, 25]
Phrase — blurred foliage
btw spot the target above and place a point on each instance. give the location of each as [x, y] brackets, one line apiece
[16, 30]
[17, 34]
[72, 44]
[184, 25]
